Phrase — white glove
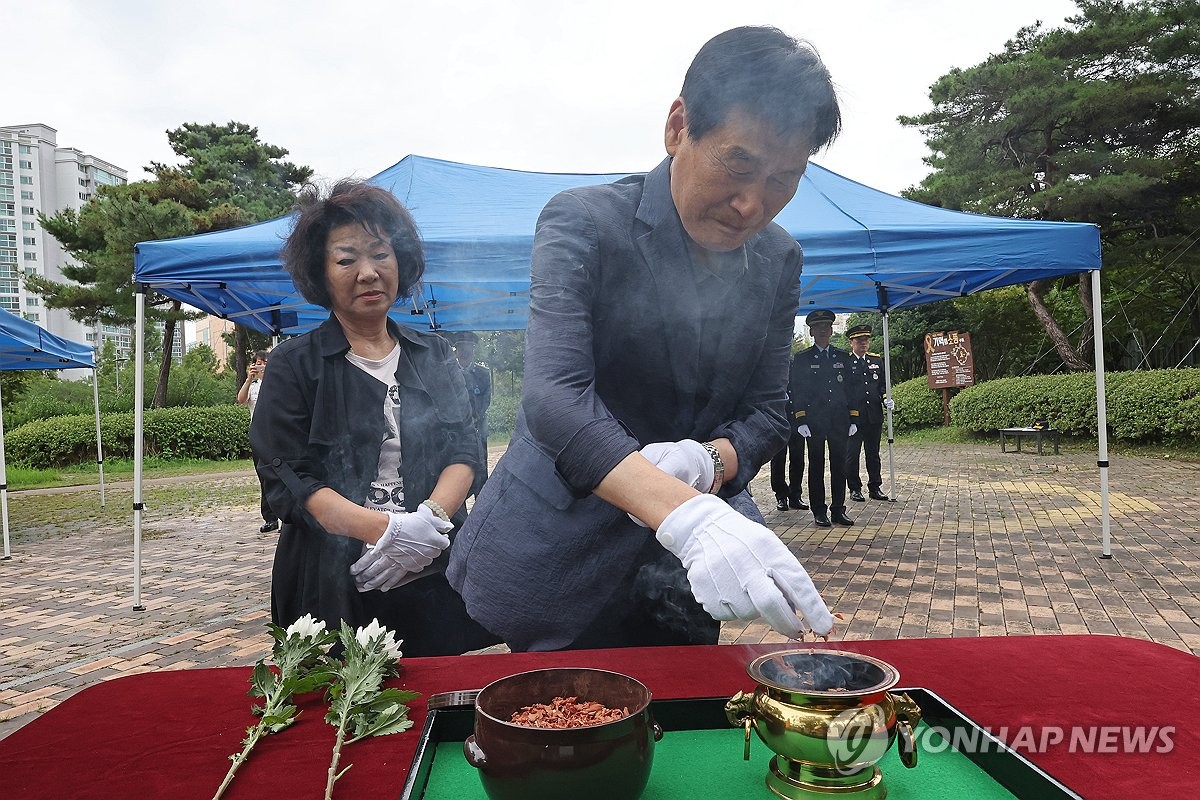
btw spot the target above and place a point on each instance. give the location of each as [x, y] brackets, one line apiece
[739, 569]
[687, 460]
[804, 431]
[853, 429]
[410, 544]
[889, 403]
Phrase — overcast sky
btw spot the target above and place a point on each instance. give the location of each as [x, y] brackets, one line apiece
[351, 87]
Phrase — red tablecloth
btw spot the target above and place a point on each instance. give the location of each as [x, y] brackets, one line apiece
[168, 734]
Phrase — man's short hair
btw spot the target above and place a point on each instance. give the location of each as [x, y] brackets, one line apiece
[769, 75]
[261, 355]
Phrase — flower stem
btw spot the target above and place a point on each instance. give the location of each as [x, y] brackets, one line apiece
[333, 763]
[238, 760]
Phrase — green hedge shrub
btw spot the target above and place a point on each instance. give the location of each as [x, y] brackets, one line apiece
[917, 406]
[502, 415]
[1146, 405]
[214, 432]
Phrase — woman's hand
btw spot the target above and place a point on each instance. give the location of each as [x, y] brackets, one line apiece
[410, 544]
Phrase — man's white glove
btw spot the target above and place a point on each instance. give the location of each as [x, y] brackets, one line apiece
[687, 460]
[739, 569]
[410, 544]
[889, 403]
[853, 429]
[804, 431]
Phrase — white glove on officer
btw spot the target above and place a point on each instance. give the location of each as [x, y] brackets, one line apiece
[739, 569]
[804, 431]
[410, 544]
[853, 429]
[687, 460]
[889, 403]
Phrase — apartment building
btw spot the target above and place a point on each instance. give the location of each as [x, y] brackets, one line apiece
[37, 175]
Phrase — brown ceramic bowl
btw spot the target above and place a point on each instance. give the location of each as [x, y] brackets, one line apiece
[609, 761]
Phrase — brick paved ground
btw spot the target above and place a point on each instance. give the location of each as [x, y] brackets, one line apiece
[980, 543]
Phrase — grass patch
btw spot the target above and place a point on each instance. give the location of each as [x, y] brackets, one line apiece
[117, 470]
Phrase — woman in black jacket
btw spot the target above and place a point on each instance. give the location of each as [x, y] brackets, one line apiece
[363, 437]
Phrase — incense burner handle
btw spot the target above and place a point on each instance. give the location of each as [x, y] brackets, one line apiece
[908, 715]
[739, 710]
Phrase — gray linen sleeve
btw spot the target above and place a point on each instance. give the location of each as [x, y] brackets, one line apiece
[561, 407]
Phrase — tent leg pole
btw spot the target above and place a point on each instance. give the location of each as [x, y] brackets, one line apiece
[887, 386]
[139, 392]
[99, 446]
[4, 488]
[1101, 415]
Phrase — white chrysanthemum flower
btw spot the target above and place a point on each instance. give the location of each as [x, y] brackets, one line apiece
[307, 627]
[364, 636]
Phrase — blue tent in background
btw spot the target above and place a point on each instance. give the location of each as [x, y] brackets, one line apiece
[864, 250]
[24, 345]
[478, 223]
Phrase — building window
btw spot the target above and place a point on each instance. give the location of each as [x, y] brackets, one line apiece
[5, 179]
[8, 225]
[33, 317]
[28, 211]
[8, 240]
[31, 256]
[8, 210]
[83, 181]
[6, 193]
[26, 150]
[26, 195]
[32, 302]
[28, 226]
[27, 180]
[31, 241]
[26, 164]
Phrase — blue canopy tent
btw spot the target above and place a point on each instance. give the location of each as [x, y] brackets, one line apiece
[865, 250]
[24, 345]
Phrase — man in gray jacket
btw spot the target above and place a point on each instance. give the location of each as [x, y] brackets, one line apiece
[661, 314]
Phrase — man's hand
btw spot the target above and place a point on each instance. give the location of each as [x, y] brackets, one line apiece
[889, 404]
[410, 544]
[853, 429]
[804, 431]
[739, 569]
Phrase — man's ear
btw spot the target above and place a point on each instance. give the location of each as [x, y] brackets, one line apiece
[676, 130]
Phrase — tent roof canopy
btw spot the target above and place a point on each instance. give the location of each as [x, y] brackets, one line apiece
[864, 250]
[24, 345]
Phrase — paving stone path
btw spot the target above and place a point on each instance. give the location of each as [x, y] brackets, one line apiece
[979, 543]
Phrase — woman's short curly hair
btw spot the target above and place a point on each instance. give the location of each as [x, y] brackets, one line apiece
[348, 202]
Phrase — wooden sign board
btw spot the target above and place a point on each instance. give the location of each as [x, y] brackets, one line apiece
[949, 361]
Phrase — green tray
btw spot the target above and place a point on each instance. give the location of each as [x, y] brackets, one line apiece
[700, 750]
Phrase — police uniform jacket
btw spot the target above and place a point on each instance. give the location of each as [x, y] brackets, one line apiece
[820, 392]
[867, 382]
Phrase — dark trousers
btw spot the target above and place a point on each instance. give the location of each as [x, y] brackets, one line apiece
[837, 472]
[786, 481]
[867, 442]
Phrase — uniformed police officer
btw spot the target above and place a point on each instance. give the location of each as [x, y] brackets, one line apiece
[479, 389]
[787, 469]
[867, 380]
[824, 413]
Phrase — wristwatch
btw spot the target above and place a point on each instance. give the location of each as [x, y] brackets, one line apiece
[718, 466]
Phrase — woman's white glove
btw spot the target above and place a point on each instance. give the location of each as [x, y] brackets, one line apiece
[853, 429]
[410, 544]
[889, 403]
[739, 569]
[804, 431]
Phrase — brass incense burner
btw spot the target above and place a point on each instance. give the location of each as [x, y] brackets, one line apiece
[828, 717]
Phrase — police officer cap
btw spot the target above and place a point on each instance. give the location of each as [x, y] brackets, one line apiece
[820, 315]
[858, 330]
